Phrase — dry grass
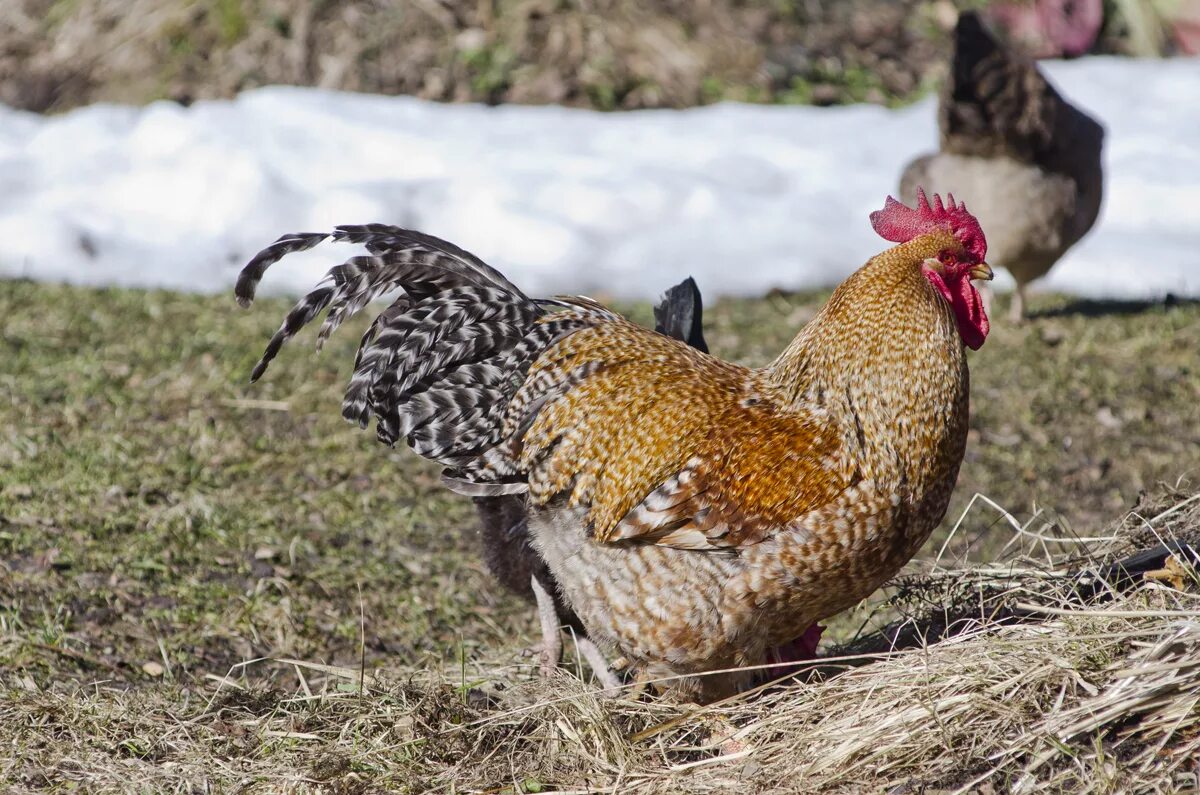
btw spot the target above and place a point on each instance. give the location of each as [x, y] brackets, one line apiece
[171, 537]
[607, 54]
[1053, 675]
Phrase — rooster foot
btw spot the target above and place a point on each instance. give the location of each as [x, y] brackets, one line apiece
[609, 681]
[1173, 573]
[547, 659]
[550, 651]
[724, 735]
[640, 682]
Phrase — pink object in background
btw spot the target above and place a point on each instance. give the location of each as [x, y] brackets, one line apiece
[1050, 28]
[1185, 27]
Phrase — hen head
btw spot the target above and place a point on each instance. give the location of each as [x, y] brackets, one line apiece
[951, 246]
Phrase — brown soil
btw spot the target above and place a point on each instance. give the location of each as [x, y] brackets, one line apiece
[608, 54]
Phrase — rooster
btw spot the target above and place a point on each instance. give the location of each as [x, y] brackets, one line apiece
[1025, 158]
[504, 529]
[695, 514]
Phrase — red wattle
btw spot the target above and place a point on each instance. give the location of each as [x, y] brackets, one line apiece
[973, 324]
[967, 305]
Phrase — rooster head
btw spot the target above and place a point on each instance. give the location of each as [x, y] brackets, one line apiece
[956, 248]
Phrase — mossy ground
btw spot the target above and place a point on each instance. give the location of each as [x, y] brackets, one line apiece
[163, 522]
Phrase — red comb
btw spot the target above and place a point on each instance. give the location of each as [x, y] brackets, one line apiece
[899, 223]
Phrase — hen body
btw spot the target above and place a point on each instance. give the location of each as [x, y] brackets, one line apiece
[694, 513]
[1025, 159]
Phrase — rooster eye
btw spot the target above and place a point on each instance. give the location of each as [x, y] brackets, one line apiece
[946, 258]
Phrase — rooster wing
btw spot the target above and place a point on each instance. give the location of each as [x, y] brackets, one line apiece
[665, 444]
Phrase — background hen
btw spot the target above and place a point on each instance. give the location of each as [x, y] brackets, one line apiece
[504, 528]
[695, 514]
[1025, 159]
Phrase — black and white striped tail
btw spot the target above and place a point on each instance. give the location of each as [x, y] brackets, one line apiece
[438, 366]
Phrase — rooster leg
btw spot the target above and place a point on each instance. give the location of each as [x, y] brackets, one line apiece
[789, 658]
[551, 651]
[641, 681]
[600, 667]
[723, 735]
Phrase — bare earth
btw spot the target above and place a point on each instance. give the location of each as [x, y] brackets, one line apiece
[164, 525]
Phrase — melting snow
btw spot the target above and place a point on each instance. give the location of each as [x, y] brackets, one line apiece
[742, 197]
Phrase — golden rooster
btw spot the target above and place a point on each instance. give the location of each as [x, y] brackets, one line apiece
[1027, 160]
[695, 514]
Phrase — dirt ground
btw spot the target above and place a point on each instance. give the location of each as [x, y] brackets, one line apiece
[606, 54]
[163, 523]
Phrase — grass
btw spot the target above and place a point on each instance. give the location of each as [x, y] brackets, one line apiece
[169, 534]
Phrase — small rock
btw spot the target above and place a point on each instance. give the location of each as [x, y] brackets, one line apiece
[20, 491]
[824, 94]
[1051, 335]
[1109, 420]
[470, 39]
[1167, 373]
[153, 669]
[481, 700]
[1003, 436]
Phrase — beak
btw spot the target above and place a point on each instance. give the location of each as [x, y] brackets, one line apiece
[982, 271]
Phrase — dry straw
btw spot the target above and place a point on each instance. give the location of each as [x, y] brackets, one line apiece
[1062, 668]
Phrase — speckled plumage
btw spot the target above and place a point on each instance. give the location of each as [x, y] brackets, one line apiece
[503, 526]
[695, 513]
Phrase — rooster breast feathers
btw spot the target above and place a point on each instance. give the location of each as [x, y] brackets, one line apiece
[658, 442]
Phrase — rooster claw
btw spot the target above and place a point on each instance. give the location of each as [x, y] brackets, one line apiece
[724, 735]
[1173, 572]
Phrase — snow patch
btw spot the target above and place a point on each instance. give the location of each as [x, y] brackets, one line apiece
[743, 197]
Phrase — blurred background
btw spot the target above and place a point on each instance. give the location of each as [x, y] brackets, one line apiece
[603, 54]
[796, 119]
[162, 521]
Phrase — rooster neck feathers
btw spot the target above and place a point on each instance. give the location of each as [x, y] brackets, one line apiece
[864, 359]
[885, 346]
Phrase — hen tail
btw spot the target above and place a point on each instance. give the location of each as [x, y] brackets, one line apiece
[438, 366]
[996, 103]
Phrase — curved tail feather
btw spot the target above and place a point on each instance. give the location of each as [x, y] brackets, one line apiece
[440, 364]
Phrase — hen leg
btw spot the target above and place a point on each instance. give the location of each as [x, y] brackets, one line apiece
[551, 651]
[1016, 312]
